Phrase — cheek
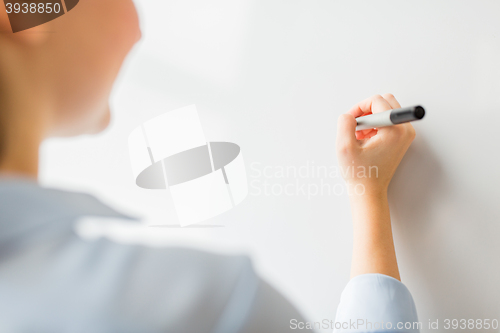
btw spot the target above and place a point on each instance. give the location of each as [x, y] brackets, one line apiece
[109, 35]
[91, 46]
[120, 24]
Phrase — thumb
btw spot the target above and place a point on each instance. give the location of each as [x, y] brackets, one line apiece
[346, 132]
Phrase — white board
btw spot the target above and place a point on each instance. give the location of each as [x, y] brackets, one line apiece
[273, 76]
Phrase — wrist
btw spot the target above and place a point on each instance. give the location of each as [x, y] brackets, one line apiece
[373, 201]
[358, 190]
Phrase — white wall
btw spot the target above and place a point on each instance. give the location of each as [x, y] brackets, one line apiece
[273, 76]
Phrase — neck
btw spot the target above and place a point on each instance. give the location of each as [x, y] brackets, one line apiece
[24, 116]
[20, 154]
[22, 129]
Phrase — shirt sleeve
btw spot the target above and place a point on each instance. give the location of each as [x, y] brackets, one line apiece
[376, 303]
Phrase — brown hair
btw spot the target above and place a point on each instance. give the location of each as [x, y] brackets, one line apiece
[2, 120]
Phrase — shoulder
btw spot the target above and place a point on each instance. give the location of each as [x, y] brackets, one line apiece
[169, 264]
[104, 285]
[174, 288]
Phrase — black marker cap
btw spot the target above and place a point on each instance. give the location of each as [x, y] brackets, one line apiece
[405, 115]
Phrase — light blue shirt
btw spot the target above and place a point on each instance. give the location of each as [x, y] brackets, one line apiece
[51, 280]
[376, 303]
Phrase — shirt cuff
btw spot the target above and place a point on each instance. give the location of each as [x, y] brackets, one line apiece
[376, 303]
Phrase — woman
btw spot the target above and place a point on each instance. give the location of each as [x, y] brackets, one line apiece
[55, 80]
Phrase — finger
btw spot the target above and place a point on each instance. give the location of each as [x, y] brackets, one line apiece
[362, 134]
[371, 134]
[374, 104]
[365, 134]
[393, 102]
[346, 131]
[366, 131]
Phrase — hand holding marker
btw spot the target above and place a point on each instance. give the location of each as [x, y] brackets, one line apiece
[390, 117]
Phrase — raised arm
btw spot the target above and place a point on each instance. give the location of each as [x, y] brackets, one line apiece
[369, 159]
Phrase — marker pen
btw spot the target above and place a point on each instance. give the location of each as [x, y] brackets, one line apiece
[390, 117]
